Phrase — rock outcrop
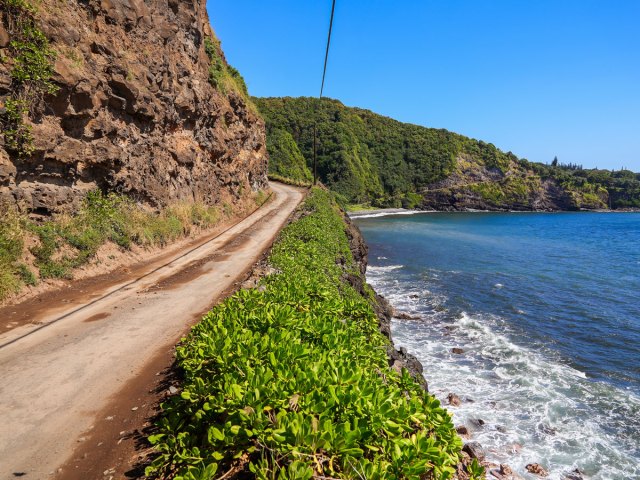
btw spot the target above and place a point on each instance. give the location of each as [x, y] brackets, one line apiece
[135, 111]
[398, 358]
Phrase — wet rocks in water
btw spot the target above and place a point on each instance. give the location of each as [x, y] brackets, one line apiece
[546, 429]
[504, 473]
[501, 428]
[399, 359]
[575, 475]
[414, 296]
[454, 400]
[457, 351]
[463, 431]
[405, 316]
[477, 422]
[537, 469]
[474, 450]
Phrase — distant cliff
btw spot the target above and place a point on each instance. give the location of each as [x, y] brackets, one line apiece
[127, 95]
[371, 159]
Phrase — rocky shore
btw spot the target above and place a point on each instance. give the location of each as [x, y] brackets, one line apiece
[401, 358]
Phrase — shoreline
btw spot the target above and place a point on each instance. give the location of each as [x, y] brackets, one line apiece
[383, 212]
[470, 357]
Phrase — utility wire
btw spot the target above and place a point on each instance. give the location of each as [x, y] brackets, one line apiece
[324, 74]
[326, 54]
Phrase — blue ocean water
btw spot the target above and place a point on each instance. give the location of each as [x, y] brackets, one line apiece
[546, 307]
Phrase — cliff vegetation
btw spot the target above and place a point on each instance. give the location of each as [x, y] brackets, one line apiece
[374, 160]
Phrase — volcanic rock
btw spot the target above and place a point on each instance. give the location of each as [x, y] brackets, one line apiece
[135, 112]
[475, 450]
[537, 469]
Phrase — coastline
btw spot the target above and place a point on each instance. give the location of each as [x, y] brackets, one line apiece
[383, 212]
[499, 375]
[399, 358]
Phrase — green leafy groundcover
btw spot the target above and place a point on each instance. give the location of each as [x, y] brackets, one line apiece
[292, 380]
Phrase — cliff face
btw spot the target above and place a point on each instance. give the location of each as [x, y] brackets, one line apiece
[135, 111]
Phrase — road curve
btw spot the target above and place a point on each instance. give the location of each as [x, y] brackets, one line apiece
[56, 377]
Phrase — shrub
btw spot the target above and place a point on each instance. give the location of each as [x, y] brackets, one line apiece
[292, 380]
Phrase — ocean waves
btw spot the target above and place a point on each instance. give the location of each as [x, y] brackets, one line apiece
[522, 401]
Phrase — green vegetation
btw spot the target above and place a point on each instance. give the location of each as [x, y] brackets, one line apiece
[13, 273]
[291, 380]
[285, 159]
[66, 242]
[31, 62]
[369, 159]
[619, 189]
[224, 77]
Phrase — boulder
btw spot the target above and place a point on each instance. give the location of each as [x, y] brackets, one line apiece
[454, 400]
[404, 315]
[537, 469]
[457, 351]
[477, 422]
[474, 450]
[574, 475]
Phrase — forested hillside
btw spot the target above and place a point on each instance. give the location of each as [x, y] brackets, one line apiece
[370, 159]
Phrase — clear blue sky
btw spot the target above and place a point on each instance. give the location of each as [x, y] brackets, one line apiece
[540, 77]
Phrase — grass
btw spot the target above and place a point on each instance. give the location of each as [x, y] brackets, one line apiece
[357, 207]
[289, 181]
[224, 77]
[66, 242]
[291, 380]
[12, 228]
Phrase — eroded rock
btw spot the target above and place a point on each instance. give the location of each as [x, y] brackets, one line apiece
[474, 450]
[537, 469]
[135, 111]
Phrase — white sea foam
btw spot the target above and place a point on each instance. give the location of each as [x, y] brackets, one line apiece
[383, 213]
[386, 268]
[536, 408]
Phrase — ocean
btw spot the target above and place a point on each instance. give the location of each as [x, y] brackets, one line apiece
[546, 308]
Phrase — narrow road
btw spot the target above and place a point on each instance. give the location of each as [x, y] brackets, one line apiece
[55, 377]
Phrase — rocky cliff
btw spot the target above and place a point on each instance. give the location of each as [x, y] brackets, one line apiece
[135, 106]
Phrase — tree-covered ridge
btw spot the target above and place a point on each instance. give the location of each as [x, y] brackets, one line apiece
[371, 159]
[285, 159]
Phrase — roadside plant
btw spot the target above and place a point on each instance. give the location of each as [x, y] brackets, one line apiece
[291, 380]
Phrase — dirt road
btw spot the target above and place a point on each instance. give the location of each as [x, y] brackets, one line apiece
[57, 376]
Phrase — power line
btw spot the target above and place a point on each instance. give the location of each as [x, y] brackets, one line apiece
[326, 54]
[324, 74]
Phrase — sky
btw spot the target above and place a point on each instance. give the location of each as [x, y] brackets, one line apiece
[540, 78]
